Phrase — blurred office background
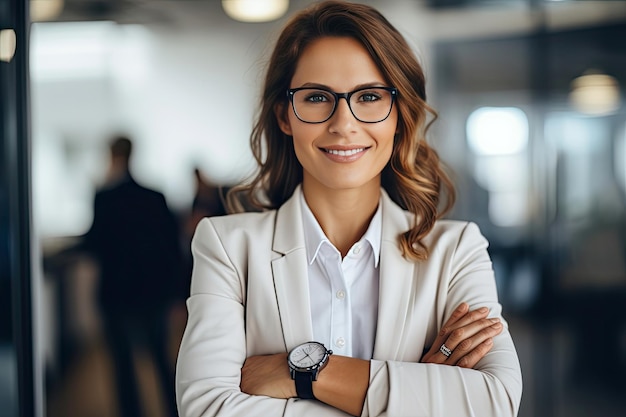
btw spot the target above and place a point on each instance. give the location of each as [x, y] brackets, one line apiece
[532, 124]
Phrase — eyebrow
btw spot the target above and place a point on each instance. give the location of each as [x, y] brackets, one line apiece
[356, 87]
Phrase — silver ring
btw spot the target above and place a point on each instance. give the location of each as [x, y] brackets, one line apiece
[445, 350]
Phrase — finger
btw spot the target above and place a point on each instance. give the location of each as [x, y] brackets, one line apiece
[464, 340]
[470, 317]
[463, 336]
[457, 314]
[460, 316]
[435, 355]
[471, 359]
[465, 319]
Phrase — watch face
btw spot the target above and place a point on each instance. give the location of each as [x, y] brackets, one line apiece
[308, 355]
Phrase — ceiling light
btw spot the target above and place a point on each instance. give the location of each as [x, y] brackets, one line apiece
[595, 94]
[45, 10]
[255, 10]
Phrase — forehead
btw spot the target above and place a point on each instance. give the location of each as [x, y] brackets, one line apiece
[340, 63]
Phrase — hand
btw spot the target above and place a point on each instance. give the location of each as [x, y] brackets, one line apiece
[267, 375]
[468, 334]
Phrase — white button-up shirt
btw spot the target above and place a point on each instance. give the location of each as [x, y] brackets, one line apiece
[343, 292]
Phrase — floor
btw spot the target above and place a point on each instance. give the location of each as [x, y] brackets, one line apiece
[554, 383]
[551, 389]
[86, 387]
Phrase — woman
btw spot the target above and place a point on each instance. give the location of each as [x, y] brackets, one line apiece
[347, 254]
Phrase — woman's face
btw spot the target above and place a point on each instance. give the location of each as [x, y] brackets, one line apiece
[342, 152]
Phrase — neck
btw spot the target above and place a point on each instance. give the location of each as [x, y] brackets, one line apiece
[117, 172]
[344, 215]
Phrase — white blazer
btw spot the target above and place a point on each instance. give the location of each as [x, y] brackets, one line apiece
[250, 296]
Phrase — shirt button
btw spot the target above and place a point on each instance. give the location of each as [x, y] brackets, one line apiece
[356, 250]
[340, 342]
[341, 294]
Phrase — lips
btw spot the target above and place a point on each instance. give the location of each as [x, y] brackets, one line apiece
[344, 152]
[344, 155]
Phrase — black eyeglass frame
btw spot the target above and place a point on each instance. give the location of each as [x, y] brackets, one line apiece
[347, 96]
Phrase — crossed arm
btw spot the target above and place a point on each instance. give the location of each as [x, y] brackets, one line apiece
[219, 374]
[344, 381]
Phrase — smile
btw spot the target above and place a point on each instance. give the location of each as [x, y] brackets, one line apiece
[348, 152]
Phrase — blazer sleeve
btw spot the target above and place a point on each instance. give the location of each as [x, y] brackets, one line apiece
[213, 348]
[492, 389]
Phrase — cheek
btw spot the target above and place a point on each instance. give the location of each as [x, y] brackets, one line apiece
[387, 137]
[298, 149]
[392, 131]
[304, 134]
[303, 140]
[388, 151]
[386, 148]
[297, 129]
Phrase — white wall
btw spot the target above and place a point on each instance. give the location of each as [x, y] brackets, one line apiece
[185, 96]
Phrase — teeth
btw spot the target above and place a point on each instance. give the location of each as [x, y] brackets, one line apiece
[345, 153]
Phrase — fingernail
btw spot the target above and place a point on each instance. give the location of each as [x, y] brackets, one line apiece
[483, 309]
[495, 320]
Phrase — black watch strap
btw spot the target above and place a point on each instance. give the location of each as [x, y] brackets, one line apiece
[304, 385]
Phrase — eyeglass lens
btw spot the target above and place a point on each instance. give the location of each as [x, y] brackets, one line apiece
[367, 105]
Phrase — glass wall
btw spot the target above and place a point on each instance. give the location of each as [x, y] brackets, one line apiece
[542, 170]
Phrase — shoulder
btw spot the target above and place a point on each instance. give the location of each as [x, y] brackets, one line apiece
[235, 239]
[456, 229]
[460, 241]
[233, 227]
[143, 190]
[398, 220]
[455, 232]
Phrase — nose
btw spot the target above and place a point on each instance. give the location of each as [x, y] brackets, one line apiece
[342, 120]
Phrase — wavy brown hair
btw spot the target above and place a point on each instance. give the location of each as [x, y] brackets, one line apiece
[413, 178]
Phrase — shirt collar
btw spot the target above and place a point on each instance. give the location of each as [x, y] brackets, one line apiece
[314, 236]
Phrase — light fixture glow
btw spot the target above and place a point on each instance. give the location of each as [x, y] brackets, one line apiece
[45, 10]
[8, 43]
[497, 131]
[595, 94]
[255, 10]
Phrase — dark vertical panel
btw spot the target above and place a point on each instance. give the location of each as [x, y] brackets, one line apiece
[16, 321]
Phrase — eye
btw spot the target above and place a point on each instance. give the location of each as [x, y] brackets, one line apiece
[317, 96]
[369, 96]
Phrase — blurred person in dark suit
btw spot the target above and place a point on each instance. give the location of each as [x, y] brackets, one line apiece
[208, 200]
[134, 239]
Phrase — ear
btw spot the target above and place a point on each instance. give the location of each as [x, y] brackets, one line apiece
[280, 110]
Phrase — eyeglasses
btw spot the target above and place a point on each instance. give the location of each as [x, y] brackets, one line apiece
[317, 105]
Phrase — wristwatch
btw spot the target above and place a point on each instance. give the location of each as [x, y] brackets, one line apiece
[305, 363]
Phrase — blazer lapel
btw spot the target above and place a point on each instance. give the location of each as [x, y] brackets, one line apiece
[396, 292]
[290, 272]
